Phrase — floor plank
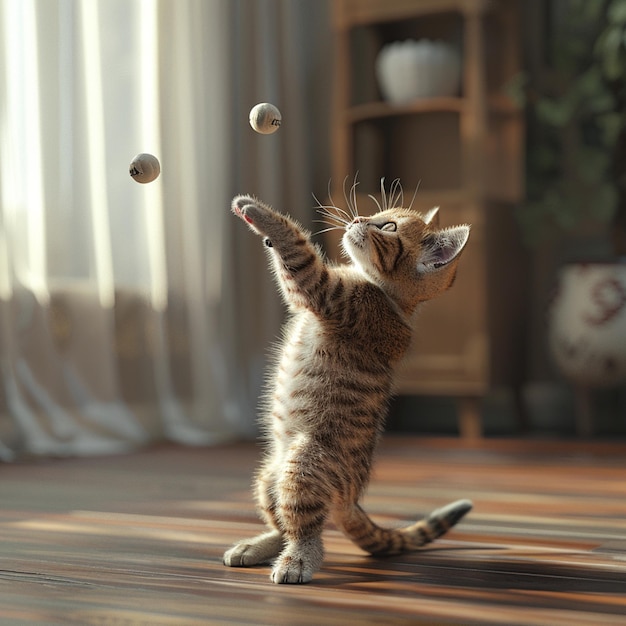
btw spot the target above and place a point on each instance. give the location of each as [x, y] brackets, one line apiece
[138, 539]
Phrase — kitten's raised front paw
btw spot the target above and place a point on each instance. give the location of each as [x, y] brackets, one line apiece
[254, 551]
[240, 206]
[251, 211]
[259, 217]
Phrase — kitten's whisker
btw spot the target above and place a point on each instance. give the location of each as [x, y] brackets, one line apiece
[329, 212]
[414, 194]
[326, 230]
[345, 196]
[330, 197]
[319, 204]
[331, 222]
[392, 193]
[396, 193]
[332, 205]
[401, 199]
[375, 200]
[334, 212]
[340, 213]
[383, 194]
[353, 196]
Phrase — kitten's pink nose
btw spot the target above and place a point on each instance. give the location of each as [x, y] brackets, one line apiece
[359, 219]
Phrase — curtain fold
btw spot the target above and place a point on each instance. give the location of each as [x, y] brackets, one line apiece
[133, 313]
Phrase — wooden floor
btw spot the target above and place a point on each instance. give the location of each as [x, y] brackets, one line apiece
[139, 539]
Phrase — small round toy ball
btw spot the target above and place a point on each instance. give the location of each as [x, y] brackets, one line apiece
[265, 118]
[145, 168]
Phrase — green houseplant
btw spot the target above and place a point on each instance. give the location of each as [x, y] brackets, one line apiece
[576, 167]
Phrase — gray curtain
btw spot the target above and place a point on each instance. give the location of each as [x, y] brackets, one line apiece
[133, 313]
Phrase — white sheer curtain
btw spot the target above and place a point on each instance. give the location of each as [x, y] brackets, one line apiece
[128, 312]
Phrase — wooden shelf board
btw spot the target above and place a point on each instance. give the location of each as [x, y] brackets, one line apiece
[354, 12]
[376, 110]
[410, 385]
[497, 104]
[501, 104]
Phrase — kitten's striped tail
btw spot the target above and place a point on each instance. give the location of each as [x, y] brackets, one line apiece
[370, 537]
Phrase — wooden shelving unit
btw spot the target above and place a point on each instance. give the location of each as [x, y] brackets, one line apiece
[466, 154]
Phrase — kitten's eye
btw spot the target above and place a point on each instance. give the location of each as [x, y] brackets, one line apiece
[390, 227]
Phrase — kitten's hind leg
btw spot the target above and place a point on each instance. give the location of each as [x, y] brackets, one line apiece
[260, 549]
[303, 495]
[265, 547]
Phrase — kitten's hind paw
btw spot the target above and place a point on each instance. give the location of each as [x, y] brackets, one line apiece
[253, 551]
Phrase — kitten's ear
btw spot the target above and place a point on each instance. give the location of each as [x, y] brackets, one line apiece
[432, 216]
[443, 247]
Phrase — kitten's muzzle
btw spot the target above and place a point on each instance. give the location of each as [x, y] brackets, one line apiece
[355, 231]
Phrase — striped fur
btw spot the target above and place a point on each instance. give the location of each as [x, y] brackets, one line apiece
[328, 397]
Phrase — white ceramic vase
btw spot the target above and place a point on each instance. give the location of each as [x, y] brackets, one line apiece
[411, 69]
[587, 324]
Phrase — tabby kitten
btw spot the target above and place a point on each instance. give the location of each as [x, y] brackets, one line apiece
[327, 401]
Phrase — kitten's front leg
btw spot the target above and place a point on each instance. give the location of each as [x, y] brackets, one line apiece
[299, 561]
[302, 274]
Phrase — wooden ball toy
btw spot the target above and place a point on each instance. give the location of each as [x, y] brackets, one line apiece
[145, 168]
[265, 118]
